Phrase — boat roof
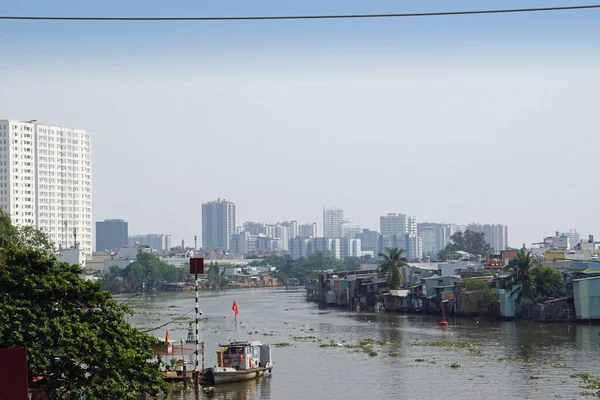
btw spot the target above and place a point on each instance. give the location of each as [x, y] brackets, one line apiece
[239, 344]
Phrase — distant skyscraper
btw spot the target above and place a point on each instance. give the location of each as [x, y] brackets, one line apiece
[393, 224]
[369, 241]
[495, 234]
[332, 222]
[325, 246]
[411, 225]
[435, 237]
[350, 229]
[255, 228]
[308, 230]
[283, 234]
[350, 247]
[111, 234]
[293, 229]
[413, 246]
[298, 247]
[156, 241]
[218, 224]
[240, 241]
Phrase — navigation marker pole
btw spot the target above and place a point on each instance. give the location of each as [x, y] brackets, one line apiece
[197, 267]
[234, 307]
[197, 347]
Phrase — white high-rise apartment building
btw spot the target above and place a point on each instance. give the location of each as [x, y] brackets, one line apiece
[350, 229]
[218, 224]
[411, 225]
[350, 247]
[46, 180]
[283, 234]
[495, 234]
[332, 222]
[392, 224]
[293, 229]
[156, 241]
[325, 246]
[308, 230]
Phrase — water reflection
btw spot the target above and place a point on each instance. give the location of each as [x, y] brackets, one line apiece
[306, 370]
[250, 390]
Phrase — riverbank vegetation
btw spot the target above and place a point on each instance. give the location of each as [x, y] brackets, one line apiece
[469, 241]
[78, 342]
[306, 268]
[530, 282]
[148, 272]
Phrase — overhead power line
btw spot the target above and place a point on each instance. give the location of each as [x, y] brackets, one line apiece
[293, 17]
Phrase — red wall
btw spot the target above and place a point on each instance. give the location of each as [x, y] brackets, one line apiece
[13, 374]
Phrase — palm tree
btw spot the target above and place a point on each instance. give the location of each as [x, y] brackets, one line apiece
[521, 282]
[391, 264]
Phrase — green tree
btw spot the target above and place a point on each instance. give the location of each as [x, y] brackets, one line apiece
[391, 264]
[148, 269]
[78, 342]
[215, 277]
[469, 241]
[549, 282]
[352, 264]
[522, 282]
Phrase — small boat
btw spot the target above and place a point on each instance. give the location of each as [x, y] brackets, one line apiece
[239, 361]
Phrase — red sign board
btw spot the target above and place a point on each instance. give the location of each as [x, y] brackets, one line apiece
[197, 265]
[13, 374]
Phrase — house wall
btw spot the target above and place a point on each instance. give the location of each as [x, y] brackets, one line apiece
[507, 306]
[586, 295]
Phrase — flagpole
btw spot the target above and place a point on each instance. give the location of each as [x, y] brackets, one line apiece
[235, 327]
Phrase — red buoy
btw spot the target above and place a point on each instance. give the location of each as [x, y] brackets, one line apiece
[443, 323]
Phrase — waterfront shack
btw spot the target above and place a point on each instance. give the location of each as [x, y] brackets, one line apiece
[348, 289]
[399, 300]
[586, 294]
[475, 296]
[436, 289]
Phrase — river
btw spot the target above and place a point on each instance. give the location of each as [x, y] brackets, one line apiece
[508, 360]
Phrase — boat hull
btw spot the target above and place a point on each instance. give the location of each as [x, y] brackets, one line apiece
[218, 375]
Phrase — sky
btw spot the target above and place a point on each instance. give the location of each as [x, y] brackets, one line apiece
[489, 119]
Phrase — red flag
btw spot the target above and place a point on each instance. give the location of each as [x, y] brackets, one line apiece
[167, 337]
[234, 308]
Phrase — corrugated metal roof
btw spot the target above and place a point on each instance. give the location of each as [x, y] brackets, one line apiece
[585, 279]
[400, 293]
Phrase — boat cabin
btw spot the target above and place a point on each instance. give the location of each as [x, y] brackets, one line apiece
[244, 355]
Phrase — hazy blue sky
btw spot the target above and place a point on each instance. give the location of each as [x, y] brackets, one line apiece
[493, 118]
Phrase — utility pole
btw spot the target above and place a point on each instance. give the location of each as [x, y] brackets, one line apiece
[197, 267]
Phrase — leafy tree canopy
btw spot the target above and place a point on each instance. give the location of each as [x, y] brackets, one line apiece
[549, 282]
[305, 268]
[469, 241]
[148, 269]
[76, 336]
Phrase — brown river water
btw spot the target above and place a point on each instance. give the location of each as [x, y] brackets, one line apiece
[507, 360]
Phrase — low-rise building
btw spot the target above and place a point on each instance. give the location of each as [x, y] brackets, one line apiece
[72, 256]
[586, 294]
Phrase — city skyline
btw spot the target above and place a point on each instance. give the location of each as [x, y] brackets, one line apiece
[269, 227]
[472, 106]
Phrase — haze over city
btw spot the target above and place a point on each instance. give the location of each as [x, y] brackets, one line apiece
[451, 120]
